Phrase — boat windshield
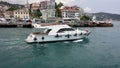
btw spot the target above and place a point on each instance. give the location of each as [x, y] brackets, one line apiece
[38, 31]
[47, 31]
[65, 29]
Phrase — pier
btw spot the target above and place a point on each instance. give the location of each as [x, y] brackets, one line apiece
[15, 25]
[92, 24]
[29, 25]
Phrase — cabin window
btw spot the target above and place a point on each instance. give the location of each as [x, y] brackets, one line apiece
[47, 31]
[65, 29]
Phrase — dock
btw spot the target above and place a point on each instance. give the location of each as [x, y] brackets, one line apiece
[92, 24]
[15, 25]
[29, 25]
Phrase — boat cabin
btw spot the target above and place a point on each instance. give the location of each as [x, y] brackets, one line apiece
[55, 29]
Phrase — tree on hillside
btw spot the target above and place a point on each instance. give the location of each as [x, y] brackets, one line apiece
[85, 18]
[11, 9]
[30, 13]
[38, 13]
[57, 7]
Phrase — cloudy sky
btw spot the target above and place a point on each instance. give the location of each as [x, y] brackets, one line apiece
[111, 6]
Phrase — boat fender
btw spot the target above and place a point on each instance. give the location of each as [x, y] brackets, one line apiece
[85, 34]
[35, 39]
[68, 36]
[81, 33]
[57, 36]
[43, 38]
[75, 34]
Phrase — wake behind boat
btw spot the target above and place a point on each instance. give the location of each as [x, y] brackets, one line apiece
[55, 33]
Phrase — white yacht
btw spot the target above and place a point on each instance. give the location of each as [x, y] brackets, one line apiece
[55, 33]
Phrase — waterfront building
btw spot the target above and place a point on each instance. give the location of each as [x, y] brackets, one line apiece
[27, 5]
[71, 13]
[1, 12]
[34, 7]
[43, 5]
[3, 8]
[48, 9]
[8, 14]
[81, 11]
[21, 13]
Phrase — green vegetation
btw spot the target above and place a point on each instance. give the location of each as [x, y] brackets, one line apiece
[38, 13]
[11, 9]
[85, 18]
[30, 13]
[12, 6]
[57, 7]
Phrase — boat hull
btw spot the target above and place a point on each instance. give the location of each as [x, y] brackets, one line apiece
[54, 38]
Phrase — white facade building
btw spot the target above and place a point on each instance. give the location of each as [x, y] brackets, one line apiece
[71, 13]
[21, 14]
[48, 14]
[48, 9]
[34, 7]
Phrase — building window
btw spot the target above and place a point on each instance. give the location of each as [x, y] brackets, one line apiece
[16, 16]
[26, 16]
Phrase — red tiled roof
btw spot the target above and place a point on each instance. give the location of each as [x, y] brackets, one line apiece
[67, 8]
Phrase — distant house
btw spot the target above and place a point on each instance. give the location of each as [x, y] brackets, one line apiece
[71, 13]
[1, 12]
[43, 5]
[34, 7]
[8, 14]
[48, 9]
[21, 14]
[3, 8]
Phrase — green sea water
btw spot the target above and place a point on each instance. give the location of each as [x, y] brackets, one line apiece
[101, 49]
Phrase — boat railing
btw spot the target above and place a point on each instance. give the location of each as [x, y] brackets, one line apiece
[39, 33]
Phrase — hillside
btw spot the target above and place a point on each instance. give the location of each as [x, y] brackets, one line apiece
[16, 6]
[104, 16]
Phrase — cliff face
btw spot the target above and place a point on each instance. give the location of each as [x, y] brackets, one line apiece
[5, 6]
[104, 16]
